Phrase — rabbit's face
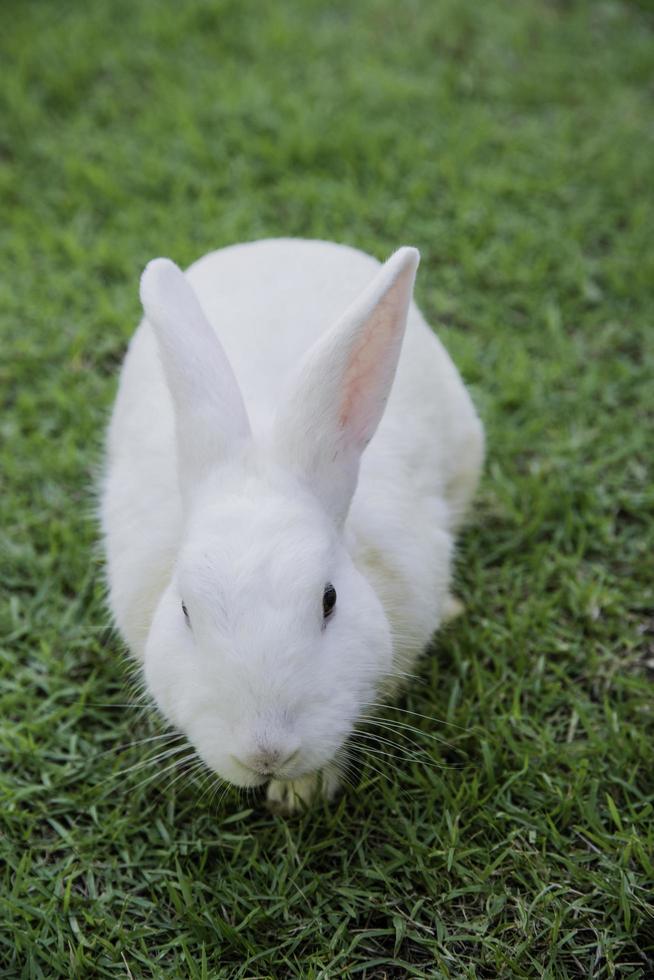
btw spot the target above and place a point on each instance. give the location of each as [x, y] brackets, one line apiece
[268, 643]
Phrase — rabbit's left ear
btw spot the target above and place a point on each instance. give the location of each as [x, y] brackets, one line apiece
[341, 390]
[210, 416]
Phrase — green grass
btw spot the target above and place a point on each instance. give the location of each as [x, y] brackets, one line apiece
[513, 144]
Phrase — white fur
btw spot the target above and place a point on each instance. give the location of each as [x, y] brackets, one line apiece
[243, 498]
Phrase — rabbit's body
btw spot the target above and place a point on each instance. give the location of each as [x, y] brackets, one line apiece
[269, 302]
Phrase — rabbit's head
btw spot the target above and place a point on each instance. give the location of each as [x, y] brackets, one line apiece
[267, 643]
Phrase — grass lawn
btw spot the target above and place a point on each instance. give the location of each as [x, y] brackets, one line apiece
[513, 143]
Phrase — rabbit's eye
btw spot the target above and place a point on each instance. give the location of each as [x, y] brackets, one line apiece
[328, 600]
[186, 615]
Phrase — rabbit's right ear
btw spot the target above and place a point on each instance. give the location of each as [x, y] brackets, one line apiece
[210, 415]
[339, 393]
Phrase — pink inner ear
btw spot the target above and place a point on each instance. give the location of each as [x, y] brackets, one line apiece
[369, 374]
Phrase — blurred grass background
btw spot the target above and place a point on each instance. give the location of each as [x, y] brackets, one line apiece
[513, 143]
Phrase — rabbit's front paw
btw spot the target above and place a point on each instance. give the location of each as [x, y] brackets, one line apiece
[288, 797]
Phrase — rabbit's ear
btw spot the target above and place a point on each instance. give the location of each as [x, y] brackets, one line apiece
[210, 415]
[339, 395]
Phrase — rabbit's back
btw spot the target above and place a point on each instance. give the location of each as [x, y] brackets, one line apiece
[270, 300]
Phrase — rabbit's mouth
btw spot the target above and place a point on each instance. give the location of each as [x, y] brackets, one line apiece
[263, 766]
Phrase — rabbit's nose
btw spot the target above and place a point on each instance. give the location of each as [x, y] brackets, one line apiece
[267, 761]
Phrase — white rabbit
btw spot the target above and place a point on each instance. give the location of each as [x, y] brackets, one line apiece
[275, 579]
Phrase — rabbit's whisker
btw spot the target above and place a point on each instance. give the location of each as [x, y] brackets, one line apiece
[419, 758]
[416, 714]
[186, 771]
[162, 772]
[165, 736]
[401, 726]
[154, 760]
